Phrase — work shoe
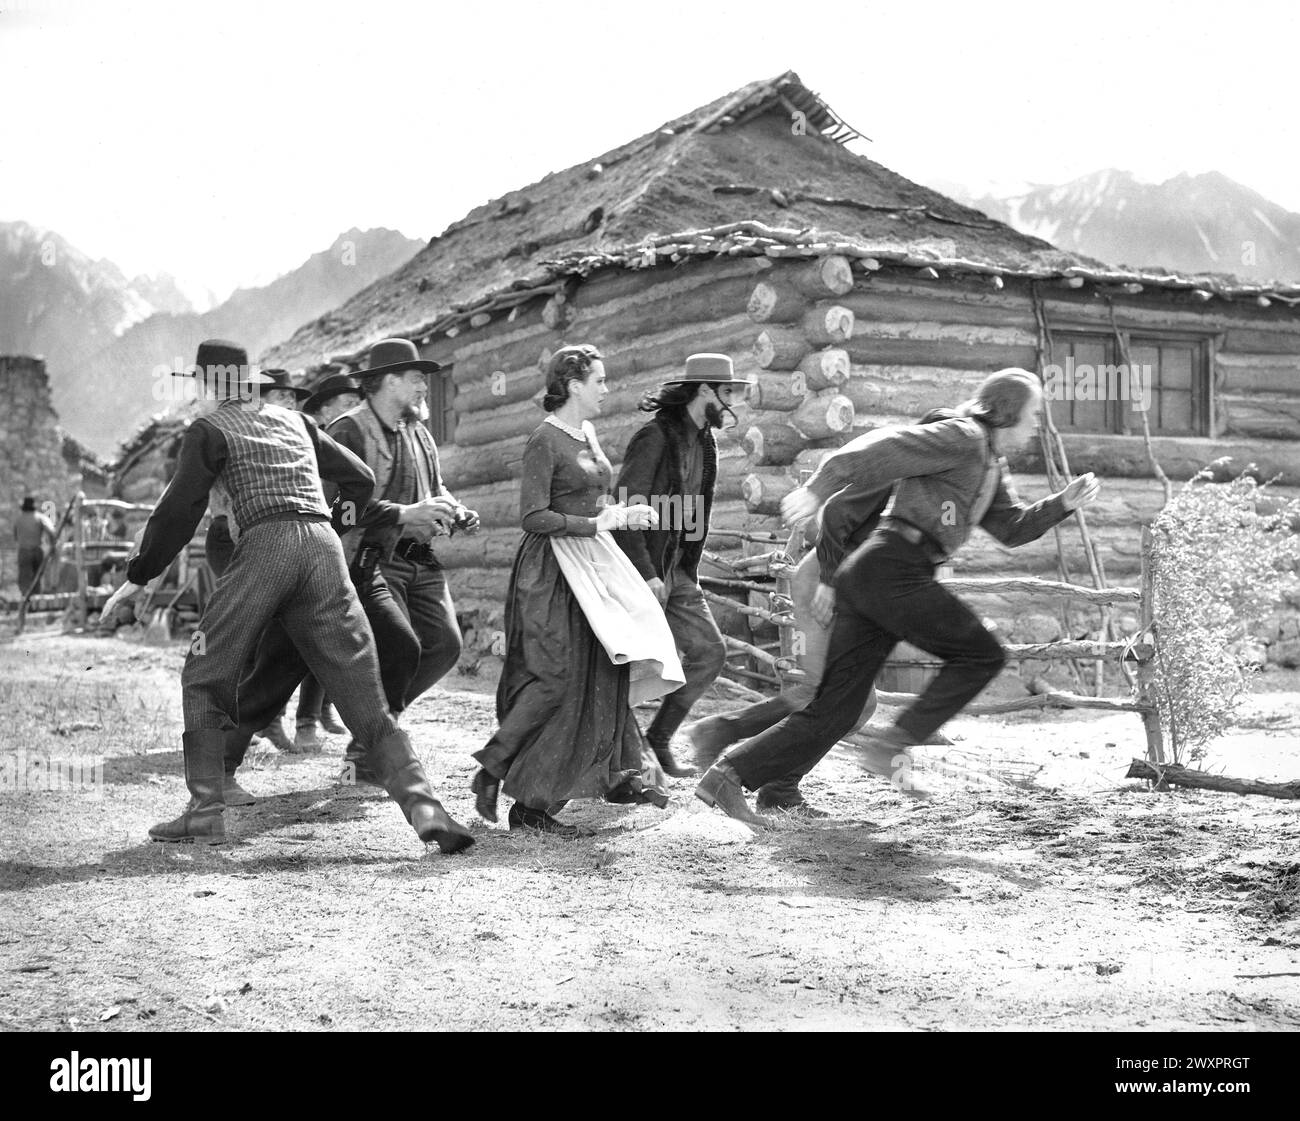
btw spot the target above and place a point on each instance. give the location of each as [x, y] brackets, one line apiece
[786, 804]
[721, 787]
[307, 738]
[709, 738]
[275, 733]
[887, 754]
[668, 762]
[521, 817]
[485, 788]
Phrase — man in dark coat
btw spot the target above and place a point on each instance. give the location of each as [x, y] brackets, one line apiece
[671, 464]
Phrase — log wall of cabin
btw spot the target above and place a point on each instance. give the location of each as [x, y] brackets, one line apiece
[835, 350]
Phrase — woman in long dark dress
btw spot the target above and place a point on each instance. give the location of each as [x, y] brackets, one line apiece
[585, 638]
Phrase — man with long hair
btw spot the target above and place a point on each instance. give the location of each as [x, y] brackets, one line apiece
[672, 464]
[951, 477]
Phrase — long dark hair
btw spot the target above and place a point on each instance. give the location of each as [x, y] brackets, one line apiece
[568, 364]
[676, 396]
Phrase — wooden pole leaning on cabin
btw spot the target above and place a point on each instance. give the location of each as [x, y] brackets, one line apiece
[79, 559]
[1146, 665]
[1054, 442]
[1121, 341]
[1054, 479]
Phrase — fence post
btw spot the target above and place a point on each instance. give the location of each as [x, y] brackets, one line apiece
[79, 559]
[1145, 670]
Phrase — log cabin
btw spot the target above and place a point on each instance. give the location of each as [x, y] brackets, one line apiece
[854, 298]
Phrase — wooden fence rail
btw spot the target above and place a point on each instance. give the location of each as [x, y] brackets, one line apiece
[1138, 650]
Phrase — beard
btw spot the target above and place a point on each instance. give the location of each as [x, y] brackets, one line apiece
[713, 415]
[416, 410]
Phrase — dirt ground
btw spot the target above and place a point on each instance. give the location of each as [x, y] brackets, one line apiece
[1039, 889]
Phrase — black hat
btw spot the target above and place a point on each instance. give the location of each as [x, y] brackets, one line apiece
[328, 388]
[279, 379]
[391, 356]
[219, 352]
[29, 503]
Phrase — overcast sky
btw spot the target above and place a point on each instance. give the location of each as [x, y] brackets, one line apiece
[226, 142]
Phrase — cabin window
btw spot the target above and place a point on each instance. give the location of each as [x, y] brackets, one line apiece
[442, 413]
[1091, 391]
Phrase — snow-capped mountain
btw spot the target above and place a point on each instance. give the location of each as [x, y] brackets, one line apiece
[102, 335]
[1193, 223]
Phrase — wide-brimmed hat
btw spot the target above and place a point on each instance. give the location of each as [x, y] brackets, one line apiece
[328, 388]
[218, 353]
[708, 369]
[391, 356]
[277, 379]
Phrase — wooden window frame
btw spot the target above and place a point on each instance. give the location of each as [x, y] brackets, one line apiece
[1203, 345]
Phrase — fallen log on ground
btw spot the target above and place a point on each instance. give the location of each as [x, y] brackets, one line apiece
[1175, 774]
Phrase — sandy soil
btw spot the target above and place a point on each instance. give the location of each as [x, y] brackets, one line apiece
[1068, 898]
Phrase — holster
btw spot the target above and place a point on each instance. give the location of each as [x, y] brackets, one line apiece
[364, 565]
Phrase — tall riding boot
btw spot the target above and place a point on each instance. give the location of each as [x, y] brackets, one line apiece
[404, 779]
[357, 767]
[236, 747]
[660, 733]
[203, 821]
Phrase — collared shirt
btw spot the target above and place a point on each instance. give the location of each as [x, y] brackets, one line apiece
[941, 473]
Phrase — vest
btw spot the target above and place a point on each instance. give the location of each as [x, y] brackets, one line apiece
[379, 458]
[270, 463]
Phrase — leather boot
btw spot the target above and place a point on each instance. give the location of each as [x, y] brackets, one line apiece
[279, 738]
[784, 794]
[709, 737]
[721, 787]
[404, 779]
[667, 761]
[232, 792]
[203, 821]
[357, 769]
[307, 737]
[486, 787]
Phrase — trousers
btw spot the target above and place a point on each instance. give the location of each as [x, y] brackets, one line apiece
[291, 572]
[699, 642]
[885, 593]
[814, 638]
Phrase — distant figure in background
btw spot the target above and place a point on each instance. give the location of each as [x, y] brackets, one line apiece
[30, 530]
[117, 528]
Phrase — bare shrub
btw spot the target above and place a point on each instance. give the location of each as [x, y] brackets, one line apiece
[1223, 556]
